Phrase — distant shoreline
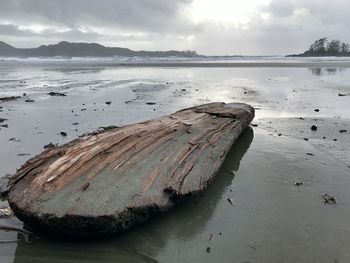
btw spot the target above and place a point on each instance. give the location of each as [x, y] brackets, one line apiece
[94, 64]
[316, 56]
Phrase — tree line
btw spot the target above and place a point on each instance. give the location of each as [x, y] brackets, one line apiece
[323, 47]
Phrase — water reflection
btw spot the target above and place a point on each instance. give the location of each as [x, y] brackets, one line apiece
[145, 242]
[325, 71]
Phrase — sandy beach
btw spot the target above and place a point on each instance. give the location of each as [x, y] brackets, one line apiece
[253, 211]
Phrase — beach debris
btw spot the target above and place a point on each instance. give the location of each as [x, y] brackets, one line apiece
[29, 100]
[6, 212]
[2, 120]
[280, 134]
[75, 123]
[298, 183]
[208, 249]
[50, 145]
[127, 101]
[108, 102]
[343, 131]
[151, 103]
[231, 201]
[211, 237]
[314, 128]
[4, 188]
[85, 186]
[254, 125]
[341, 94]
[4, 125]
[142, 169]
[335, 140]
[328, 199]
[83, 109]
[311, 154]
[252, 247]
[3, 99]
[183, 89]
[317, 110]
[64, 134]
[13, 139]
[57, 94]
[23, 154]
[106, 128]
[306, 139]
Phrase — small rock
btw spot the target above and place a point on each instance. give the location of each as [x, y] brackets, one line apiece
[311, 154]
[150, 103]
[306, 139]
[343, 131]
[314, 128]
[63, 134]
[254, 125]
[83, 109]
[14, 140]
[183, 89]
[50, 145]
[29, 100]
[108, 102]
[317, 110]
[298, 183]
[341, 95]
[75, 123]
[231, 201]
[85, 186]
[56, 94]
[328, 199]
[208, 249]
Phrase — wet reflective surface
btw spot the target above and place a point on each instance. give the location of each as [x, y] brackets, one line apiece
[252, 212]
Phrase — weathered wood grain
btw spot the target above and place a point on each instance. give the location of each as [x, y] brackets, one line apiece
[106, 182]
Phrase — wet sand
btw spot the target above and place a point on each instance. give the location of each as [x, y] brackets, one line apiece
[270, 219]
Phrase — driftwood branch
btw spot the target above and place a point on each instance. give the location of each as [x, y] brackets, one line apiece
[108, 181]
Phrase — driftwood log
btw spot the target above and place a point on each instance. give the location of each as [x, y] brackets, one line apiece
[106, 182]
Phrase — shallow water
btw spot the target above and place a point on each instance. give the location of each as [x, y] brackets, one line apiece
[271, 219]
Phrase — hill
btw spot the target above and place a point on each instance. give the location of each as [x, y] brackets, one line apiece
[67, 49]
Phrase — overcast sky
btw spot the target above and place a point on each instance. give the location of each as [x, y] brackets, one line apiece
[211, 27]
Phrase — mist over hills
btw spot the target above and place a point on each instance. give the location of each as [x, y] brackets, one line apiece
[67, 49]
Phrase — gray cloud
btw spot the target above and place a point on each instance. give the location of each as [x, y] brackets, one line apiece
[148, 15]
[289, 27]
